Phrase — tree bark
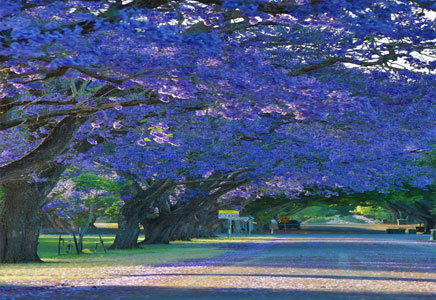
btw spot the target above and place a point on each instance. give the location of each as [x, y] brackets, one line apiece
[19, 223]
[84, 230]
[19, 219]
[128, 228]
[182, 232]
[171, 226]
[135, 210]
[429, 224]
[159, 230]
[195, 225]
[188, 219]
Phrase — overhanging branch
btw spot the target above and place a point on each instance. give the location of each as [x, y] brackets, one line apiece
[77, 111]
[383, 59]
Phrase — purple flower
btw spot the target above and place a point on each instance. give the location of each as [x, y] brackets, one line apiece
[141, 142]
[117, 125]
[92, 141]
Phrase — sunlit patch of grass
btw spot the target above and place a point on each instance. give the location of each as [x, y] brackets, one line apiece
[106, 225]
[100, 264]
[387, 226]
[110, 225]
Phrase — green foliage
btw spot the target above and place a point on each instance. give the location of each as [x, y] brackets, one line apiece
[372, 212]
[320, 212]
[413, 202]
[92, 181]
[269, 206]
[87, 196]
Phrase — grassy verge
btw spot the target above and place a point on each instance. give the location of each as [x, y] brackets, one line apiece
[114, 263]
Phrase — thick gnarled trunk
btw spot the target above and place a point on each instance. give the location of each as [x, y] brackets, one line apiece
[182, 232]
[20, 223]
[195, 225]
[159, 230]
[128, 228]
[189, 223]
[135, 210]
[186, 220]
[19, 219]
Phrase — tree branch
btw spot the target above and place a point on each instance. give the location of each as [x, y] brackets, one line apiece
[334, 60]
[77, 111]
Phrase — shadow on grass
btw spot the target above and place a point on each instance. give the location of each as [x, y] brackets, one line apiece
[163, 293]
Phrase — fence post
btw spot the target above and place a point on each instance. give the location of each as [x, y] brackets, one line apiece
[59, 245]
[102, 243]
[229, 229]
[75, 243]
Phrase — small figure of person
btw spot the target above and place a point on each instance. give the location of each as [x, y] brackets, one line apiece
[273, 225]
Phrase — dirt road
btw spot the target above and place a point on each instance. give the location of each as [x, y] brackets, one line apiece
[300, 266]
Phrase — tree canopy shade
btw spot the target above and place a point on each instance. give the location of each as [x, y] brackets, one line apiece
[304, 93]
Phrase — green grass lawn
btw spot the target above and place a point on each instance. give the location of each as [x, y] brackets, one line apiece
[114, 263]
[100, 264]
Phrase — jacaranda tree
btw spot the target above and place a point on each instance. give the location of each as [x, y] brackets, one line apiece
[68, 67]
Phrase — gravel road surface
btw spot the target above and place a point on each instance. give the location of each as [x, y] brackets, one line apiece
[289, 266]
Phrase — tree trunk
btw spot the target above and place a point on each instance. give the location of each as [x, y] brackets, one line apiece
[182, 232]
[19, 220]
[202, 232]
[191, 222]
[128, 228]
[84, 230]
[199, 226]
[159, 230]
[193, 225]
[429, 224]
[171, 227]
[19, 223]
[135, 210]
[188, 219]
